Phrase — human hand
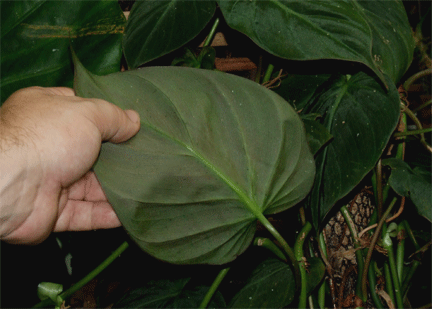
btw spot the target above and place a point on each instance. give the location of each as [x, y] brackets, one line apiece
[49, 140]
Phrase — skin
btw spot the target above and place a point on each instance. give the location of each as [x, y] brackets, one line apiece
[49, 140]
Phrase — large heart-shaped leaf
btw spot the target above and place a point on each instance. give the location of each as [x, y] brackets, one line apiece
[271, 285]
[361, 116]
[332, 29]
[155, 28]
[215, 152]
[36, 38]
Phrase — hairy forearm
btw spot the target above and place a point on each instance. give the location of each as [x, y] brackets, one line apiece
[49, 140]
[14, 178]
[19, 168]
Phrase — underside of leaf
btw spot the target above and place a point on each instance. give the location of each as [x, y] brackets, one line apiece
[214, 152]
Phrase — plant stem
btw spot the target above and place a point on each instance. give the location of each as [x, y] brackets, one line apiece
[411, 235]
[268, 244]
[258, 74]
[410, 275]
[311, 304]
[400, 153]
[287, 249]
[268, 73]
[95, 271]
[422, 106]
[66, 294]
[298, 249]
[372, 288]
[415, 263]
[302, 215]
[209, 38]
[400, 251]
[372, 246]
[214, 287]
[358, 253]
[417, 122]
[379, 188]
[321, 290]
[389, 282]
[416, 76]
[412, 132]
[388, 245]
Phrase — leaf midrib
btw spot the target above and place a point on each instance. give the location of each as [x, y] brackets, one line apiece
[249, 203]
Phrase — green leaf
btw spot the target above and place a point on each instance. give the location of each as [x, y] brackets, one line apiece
[333, 29]
[317, 135]
[155, 28]
[168, 294]
[315, 273]
[361, 116]
[214, 153]
[413, 183]
[393, 42]
[298, 89]
[36, 38]
[207, 58]
[186, 59]
[49, 290]
[271, 285]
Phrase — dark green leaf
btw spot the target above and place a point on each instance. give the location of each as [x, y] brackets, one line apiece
[36, 38]
[155, 294]
[168, 294]
[332, 29]
[207, 58]
[155, 28]
[186, 59]
[214, 153]
[315, 273]
[393, 43]
[414, 183]
[299, 89]
[317, 135]
[361, 116]
[271, 285]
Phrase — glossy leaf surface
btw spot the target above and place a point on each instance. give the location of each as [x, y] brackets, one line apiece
[360, 31]
[271, 285]
[361, 116]
[36, 37]
[155, 28]
[413, 183]
[214, 153]
[392, 39]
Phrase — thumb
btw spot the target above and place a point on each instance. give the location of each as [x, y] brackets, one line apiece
[115, 125]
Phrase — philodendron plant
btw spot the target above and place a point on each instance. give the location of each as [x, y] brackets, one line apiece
[218, 153]
[215, 152]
